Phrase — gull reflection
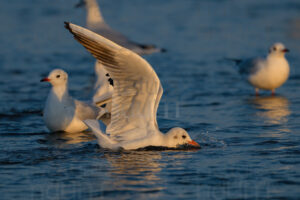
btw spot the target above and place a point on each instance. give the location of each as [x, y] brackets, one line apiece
[294, 29]
[274, 109]
[135, 168]
[60, 139]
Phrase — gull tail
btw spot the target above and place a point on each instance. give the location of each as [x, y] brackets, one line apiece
[237, 61]
[98, 128]
[149, 48]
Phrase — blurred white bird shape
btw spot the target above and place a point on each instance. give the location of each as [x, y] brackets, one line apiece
[266, 73]
[136, 96]
[62, 112]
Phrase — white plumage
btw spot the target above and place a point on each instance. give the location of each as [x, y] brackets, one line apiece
[103, 89]
[62, 112]
[266, 73]
[137, 92]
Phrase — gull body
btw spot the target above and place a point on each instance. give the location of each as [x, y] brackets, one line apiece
[62, 112]
[266, 73]
[136, 96]
[136, 139]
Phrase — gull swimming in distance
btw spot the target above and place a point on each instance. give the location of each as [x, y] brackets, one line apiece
[62, 112]
[266, 73]
[136, 96]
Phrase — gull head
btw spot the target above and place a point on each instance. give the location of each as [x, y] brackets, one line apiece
[178, 137]
[278, 49]
[56, 77]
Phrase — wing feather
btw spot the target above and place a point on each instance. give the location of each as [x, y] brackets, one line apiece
[137, 89]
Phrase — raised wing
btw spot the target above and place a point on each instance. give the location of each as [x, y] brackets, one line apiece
[157, 100]
[137, 89]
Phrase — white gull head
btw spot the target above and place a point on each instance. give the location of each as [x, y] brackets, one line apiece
[57, 77]
[278, 49]
[178, 136]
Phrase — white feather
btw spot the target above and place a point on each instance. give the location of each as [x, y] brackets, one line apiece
[64, 113]
[136, 96]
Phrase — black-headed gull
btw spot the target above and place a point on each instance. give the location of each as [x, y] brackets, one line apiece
[136, 96]
[62, 112]
[266, 73]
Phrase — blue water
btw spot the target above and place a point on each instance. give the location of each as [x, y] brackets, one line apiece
[250, 145]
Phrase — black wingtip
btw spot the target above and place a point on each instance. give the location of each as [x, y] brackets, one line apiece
[163, 50]
[67, 25]
[146, 46]
[237, 61]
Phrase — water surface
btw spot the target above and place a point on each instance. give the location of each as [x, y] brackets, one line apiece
[250, 145]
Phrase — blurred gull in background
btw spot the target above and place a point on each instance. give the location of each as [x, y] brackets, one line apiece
[96, 23]
[266, 73]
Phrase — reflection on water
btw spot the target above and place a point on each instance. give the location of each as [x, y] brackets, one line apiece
[294, 30]
[61, 139]
[273, 109]
[144, 166]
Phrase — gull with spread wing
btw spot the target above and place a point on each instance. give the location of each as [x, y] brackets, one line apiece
[136, 96]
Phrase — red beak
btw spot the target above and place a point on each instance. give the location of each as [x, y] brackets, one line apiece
[45, 80]
[193, 143]
[285, 50]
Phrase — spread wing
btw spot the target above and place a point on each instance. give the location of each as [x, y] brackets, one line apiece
[137, 89]
[157, 100]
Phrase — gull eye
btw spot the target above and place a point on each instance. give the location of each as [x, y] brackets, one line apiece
[274, 48]
[57, 76]
[183, 136]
